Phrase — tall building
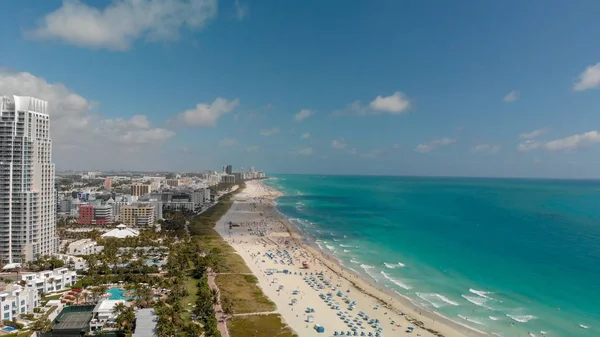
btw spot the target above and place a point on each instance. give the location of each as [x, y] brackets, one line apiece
[228, 169]
[27, 192]
[108, 183]
[140, 189]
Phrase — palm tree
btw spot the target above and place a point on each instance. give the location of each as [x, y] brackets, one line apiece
[42, 325]
[118, 309]
[77, 297]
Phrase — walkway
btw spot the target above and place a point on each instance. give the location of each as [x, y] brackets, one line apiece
[220, 315]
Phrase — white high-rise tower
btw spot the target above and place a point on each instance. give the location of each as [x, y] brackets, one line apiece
[27, 205]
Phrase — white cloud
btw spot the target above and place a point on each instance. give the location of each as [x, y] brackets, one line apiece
[486, 148]
[253, 148]
[339, 144]
[511, 96]
[395, 104]
[305, 135]
[81, 137]
[270, 132]
[529, 145]
[207, 115]
[228, 142]
[150, 136]
[303, 114]
[305, 151]
[241, 10]
[588, 79]
[432, 145]
[534, 133]
[123, 22]
[573, 142]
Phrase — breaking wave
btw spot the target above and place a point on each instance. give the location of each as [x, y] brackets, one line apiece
[394, 265]
[396, 282]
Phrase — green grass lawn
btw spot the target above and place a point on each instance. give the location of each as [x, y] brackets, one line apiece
[192, 289]
[259, 326]
[244, 293]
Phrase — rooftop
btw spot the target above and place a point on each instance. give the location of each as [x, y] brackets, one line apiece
[121, 232]
[145, 325]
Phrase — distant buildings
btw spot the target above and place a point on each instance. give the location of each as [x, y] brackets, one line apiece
[121, 232]
[86, 215]
[27, 196]
[108, 183]
[228, 179]
[140, 215]
[228, 169]
[140, 189]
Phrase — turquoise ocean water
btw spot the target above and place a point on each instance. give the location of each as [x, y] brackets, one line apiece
[508, 257]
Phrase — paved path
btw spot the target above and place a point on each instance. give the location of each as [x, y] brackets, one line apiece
[220, 315]
[257, 313]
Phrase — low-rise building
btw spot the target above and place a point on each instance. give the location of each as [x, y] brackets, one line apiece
[104, 313]
[84, 247]
[74, 262]
[103, 214]
[16, 300]
[121, 232]
[50, 280]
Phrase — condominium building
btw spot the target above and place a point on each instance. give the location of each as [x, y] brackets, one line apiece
[140, 189]
[27, 192]
[103, 214]
[173, 182]
[141, 215]
[50, 280]
[16, 300]
[86, 215]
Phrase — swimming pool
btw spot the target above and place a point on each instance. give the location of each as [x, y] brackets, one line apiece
[116, 294]
[9, 329]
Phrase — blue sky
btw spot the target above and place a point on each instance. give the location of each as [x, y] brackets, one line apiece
[464, 88]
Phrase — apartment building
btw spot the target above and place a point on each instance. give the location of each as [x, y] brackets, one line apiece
[50, 280]
[16, 300]
[27, 191]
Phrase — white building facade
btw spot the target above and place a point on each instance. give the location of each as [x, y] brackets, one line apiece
[84, 247]
[16, 300]
[50, 280]
[27, 191]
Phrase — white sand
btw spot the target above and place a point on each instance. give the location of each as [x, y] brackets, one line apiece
[255, 215]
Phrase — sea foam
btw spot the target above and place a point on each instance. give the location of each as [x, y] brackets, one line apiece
[394, 265]
[468, 319]
[396, 282]
[480, 292]
[521, 318]
[436, 300]
[478, 301]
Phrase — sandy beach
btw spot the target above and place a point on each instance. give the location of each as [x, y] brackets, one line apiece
[338, 299]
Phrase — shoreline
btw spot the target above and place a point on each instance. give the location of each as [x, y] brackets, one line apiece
[425, 322]
[362, 284]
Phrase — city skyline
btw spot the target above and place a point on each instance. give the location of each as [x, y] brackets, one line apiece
[506, 91]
